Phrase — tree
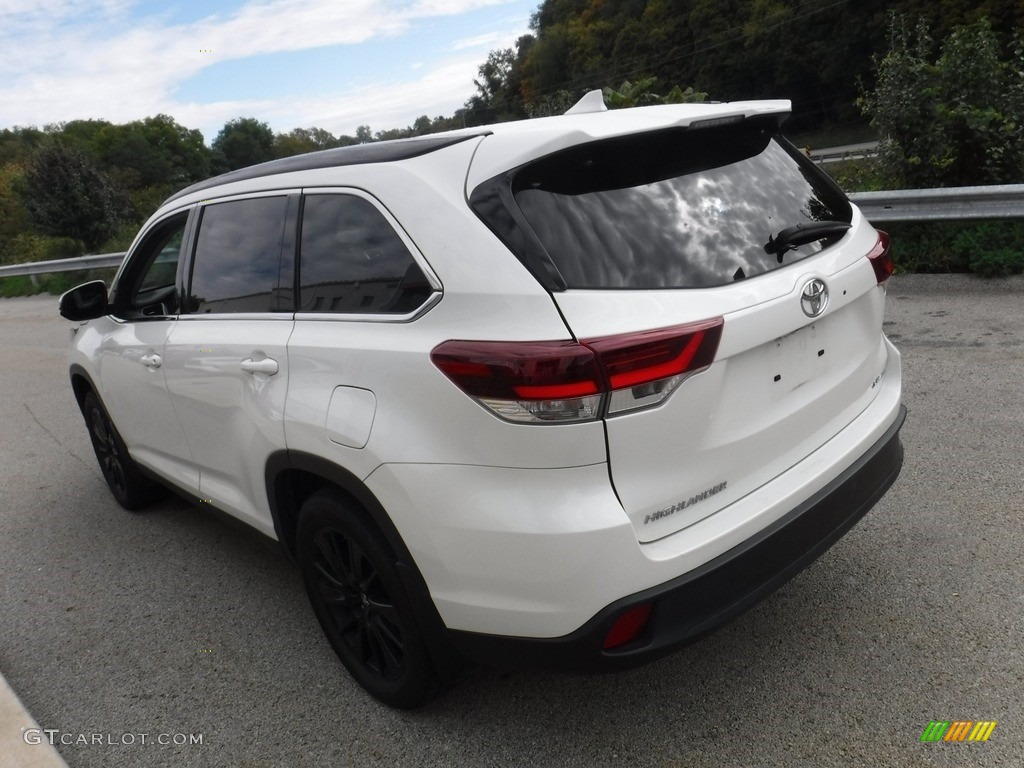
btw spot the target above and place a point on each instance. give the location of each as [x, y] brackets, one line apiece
[301, 140]
[244, 141]
[153, 151]
[66, 194]
[19, 144]
[954, 120]
[13, 216]
[498, 97]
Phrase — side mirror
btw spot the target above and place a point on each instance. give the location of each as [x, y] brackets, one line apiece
[86, 302]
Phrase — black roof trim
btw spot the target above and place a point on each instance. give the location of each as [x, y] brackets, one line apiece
[357, 154]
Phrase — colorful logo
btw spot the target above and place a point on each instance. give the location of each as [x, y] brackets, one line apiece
[958, 730]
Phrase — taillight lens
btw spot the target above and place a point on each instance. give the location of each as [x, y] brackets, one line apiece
[568, 381]
[540, 381]
[881, 258]
[645, 368]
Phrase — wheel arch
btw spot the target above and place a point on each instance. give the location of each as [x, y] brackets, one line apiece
[293, 476]
[82, 384]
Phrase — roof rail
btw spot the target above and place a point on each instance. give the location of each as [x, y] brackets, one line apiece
[357, 154]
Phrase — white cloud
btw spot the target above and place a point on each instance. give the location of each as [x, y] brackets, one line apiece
[74, 59]
[488, 40]
[441, 90]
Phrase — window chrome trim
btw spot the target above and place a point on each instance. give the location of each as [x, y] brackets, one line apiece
[378, 317]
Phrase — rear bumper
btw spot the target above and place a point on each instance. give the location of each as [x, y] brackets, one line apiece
[694, 604]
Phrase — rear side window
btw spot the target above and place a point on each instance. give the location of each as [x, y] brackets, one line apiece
[351, 260]
[678, 208]
[237, 259]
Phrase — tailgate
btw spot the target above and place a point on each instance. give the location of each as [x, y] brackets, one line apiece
[781, 385]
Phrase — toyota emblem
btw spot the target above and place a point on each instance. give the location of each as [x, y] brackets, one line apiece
[814, 297]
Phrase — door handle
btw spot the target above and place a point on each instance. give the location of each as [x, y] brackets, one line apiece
[267, 365]
[153, 361]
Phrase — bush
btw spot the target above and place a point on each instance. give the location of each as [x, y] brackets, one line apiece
[67, 195]
[858, 175]
[18, 286]
[954, 120]
[993, 248]
[25, 248]
[988, 248]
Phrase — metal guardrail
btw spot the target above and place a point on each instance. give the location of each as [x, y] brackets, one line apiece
[862, 151]
[1003, 201]
[76, 264]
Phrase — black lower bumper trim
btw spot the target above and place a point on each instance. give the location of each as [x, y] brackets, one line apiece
[694, 604]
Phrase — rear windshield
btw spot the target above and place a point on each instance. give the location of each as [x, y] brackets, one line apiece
[678, 208]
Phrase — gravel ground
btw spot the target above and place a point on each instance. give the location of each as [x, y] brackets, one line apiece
[175, 624]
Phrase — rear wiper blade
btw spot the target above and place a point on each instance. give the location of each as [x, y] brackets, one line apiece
[801, 234]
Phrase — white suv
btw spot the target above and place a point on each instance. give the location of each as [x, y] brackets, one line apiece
[566, 393]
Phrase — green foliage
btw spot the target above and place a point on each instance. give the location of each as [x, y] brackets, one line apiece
[21, 285]
[54, 284]
[859, 175]
[154, 151]
[993, 248]
[27, 247]
[553, 104]
[635, 94]
[642, 94]
[813, 52]
[499, 89]
[17, 145]
[302, 140]
[678, 96]
[66, 194]
[988, 248]
[954, 120]
[244, 141]
[13, 216]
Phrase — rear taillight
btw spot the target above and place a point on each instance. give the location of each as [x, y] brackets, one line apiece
[526, 381]
[881, 258]
[569, 381]
[644, 368]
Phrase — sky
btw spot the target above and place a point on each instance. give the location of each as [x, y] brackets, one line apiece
[332, 64]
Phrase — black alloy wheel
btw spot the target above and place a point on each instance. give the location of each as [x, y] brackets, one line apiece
[358, 597]
[127, 484]
[361, 608]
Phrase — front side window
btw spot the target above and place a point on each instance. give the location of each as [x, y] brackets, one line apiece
[148, 288]
[238, 254]
[351, 260]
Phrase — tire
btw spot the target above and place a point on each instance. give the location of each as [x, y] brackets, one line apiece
[130, 487]
[358, 597]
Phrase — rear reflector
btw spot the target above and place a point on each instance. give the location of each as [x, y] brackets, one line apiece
[881, 258]
[628, 627]
[569, 381]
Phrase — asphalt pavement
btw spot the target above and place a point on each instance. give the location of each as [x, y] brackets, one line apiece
[174, 637]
